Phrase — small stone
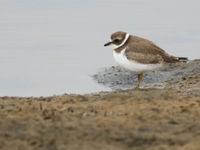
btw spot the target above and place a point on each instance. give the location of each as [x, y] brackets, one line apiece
[85, 114]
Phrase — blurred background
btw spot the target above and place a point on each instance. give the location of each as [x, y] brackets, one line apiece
[54, 46]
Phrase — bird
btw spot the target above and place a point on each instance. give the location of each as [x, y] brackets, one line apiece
[139, 55]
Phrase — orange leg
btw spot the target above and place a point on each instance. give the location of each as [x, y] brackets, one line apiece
[140, 76]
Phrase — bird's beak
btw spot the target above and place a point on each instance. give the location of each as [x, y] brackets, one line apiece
[107, 44]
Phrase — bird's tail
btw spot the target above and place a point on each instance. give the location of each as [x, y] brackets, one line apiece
[182, 59]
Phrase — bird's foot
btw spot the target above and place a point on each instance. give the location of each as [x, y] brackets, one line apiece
[137, 88]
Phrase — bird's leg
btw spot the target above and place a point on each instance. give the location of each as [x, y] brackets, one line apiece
[140, 76]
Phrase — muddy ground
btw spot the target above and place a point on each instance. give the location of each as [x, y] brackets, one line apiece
[166, 118]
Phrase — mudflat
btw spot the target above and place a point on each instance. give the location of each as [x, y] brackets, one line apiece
[147, 119]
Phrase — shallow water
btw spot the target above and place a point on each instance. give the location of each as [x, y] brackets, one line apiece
[55, 46]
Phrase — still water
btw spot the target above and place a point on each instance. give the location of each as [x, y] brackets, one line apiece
[54, 46]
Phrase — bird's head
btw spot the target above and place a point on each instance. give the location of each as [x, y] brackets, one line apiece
[117, 39]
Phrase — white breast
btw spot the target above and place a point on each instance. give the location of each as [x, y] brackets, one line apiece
[133, 66]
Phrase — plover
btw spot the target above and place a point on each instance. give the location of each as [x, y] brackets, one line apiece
[139, 55]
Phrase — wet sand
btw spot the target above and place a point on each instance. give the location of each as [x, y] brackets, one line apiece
[164, 118]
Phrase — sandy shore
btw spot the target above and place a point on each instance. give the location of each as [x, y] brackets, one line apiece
[146, 119]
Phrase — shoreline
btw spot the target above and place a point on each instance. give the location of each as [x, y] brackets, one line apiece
[148, 118]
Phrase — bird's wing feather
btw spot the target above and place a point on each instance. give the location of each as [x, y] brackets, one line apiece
[145, 51]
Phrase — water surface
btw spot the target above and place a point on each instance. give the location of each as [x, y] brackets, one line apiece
[54, 46]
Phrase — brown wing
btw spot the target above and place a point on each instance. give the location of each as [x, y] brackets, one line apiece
[143, 58]
[145, 51]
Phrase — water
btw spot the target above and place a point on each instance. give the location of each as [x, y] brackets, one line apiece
[54, 46]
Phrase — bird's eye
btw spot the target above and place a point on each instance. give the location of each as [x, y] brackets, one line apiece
[116, 40]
